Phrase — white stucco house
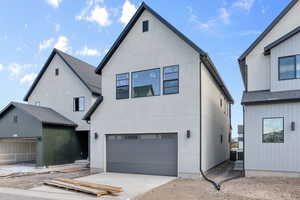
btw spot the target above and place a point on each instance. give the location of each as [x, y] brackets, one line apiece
[163, 109]
[271, 100]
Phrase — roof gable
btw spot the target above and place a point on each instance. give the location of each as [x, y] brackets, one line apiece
[83, 70]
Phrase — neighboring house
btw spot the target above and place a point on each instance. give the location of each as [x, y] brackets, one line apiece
[69, 86]
[271, 101]
[37, 134]
[164, 108]
[240, 150]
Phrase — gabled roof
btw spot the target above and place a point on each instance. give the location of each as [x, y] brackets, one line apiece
[266, 96]
[84, 71]
[43, 114]
[280, 40]
[88, 115]
[268, 29]
[204, 56]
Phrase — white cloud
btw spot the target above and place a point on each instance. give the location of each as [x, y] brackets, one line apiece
[46, 44]
[57, 27]
[16, 69]
[83, 13]
[62, 44]
[26, 26]
[224, 15]
[106, 51]
[19, 48]
[244, 4]
[28, 78]
[88, 52]
[99, 15]
[128, 11]
[54, 3]
[1, 67]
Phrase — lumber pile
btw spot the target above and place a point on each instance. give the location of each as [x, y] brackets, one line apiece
[85, 187]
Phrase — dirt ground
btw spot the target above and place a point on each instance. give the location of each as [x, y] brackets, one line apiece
[28, 182]
[262, 188]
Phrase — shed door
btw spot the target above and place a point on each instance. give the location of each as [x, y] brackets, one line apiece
[153, 154]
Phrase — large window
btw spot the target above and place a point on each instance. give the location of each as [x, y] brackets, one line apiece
[78, 104]
[289, 67]
[122, 90]
[273, 130]
[171, 80]
[145, 83]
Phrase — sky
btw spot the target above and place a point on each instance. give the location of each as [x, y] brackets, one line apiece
[86, 29]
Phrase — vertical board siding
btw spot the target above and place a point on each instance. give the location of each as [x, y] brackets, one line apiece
[272, 156]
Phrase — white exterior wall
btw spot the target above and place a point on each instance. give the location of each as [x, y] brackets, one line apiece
[287, 48]
[158, 114]
[279, 157]
[259, 64]
[57, 92]
[215, 121]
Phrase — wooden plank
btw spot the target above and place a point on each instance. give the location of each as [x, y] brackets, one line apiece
[82, 189]
[69, 170]
[111, 189]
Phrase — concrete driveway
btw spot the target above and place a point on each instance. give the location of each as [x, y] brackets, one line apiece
[133, 185]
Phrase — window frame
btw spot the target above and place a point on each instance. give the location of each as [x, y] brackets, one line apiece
[262, 138]
[74, 110]
[163, 77]
[295, 67]
[131, 82]
[15, 119]
[145, 24]
[56, 72]
[122, 86]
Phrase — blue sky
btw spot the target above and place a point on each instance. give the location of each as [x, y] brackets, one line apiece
[86, 29]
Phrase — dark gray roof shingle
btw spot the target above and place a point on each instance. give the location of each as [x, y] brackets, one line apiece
[84, 71]
[261, 97]
[43, 114]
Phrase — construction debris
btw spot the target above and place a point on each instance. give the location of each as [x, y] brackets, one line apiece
[84, 187]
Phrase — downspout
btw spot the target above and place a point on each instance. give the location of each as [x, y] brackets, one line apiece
[217, 186]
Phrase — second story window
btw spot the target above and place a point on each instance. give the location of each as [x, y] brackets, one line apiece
[289, 67]
[15, 119]
[122, 86]
[145, 26]
[56, 72]
[78, 104]
[145, 83]
[171, 80]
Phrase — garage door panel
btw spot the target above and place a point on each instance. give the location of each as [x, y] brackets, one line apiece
[145, 154]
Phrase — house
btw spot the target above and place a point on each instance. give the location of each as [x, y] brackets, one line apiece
[271, 100]
[36, 134]
[65, 89]
[164, 109]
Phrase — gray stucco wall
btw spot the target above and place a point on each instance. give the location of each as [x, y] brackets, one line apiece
[27, 126]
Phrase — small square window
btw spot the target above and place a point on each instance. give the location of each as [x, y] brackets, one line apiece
[56, 72]
[145, 26]
[78, 104]
[273, 130]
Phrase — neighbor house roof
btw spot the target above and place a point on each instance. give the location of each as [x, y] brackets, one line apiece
[88, 115]
[262, 97]
[280, 40]
[84, 71]
[43, 114]
[204, 56]
[261, 37]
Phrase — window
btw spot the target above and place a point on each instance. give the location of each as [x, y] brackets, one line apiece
[221, 103]
[145, 26]
[56, 72]
[122, 86]
[15, 119]
[78, 104]
[221, 138]
[289, 67]
[171, 80]
[145, 83]
[37, 103]
[273, 130]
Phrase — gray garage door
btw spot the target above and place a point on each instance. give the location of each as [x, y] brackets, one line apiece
[154, 154]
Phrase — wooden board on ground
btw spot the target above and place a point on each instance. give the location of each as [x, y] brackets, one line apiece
[69, 170]
[82, 189]
[111, 189]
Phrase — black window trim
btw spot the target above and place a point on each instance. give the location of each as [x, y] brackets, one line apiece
[79, 104]
[262, 138]
[56, 71]
[295, 67]
[145, 23]
[163, 77]
[131, 81]
[123, 86]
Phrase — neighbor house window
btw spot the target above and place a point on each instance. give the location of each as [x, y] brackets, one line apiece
[273, 130]
[56, 72]
[145, 83]
[78, 104]
[122, 86]
[145, 26]
[171, 80]
[289, 67]
[15, 119]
